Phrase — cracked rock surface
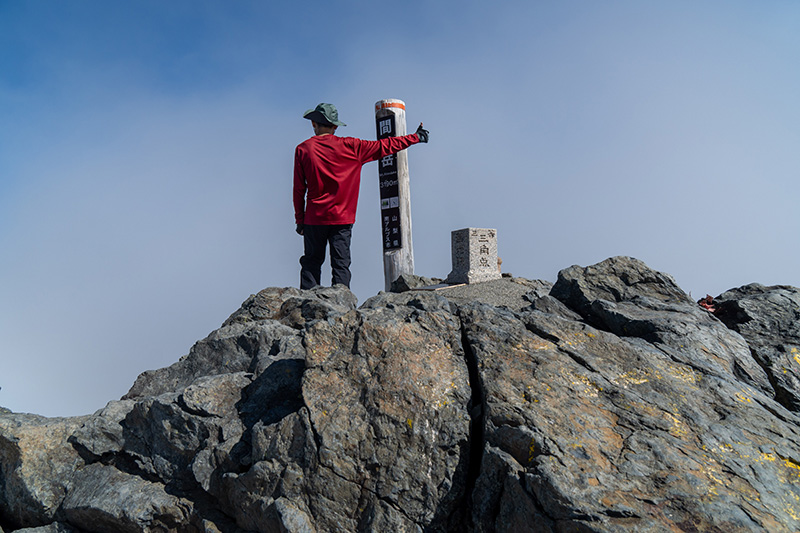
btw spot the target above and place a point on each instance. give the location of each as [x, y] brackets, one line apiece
[608, 401]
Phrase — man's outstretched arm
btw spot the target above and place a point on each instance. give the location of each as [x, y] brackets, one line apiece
[373, 150]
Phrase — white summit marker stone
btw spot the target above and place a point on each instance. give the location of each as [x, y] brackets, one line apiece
[474, 253]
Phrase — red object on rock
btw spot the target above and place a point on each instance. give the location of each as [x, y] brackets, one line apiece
[707, 303]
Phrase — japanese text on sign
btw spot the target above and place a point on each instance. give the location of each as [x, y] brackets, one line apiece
[389, 189]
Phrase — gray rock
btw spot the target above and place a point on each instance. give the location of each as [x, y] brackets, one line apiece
[606, 402]
[511, 293]
[769, 318]
[588, 431]
[57, 527]
[548, 304]
[292, 518]
[398, 426]
[407, 282]
[616, 279]
[263, 330]
[269, 303]
[372, 453]
[623, 296]
[238, 347]
[104, 499]
[102, 435]
[36, 465]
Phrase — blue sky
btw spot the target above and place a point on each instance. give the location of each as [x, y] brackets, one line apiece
[146, 156]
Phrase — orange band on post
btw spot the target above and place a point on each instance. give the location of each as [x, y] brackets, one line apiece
[384, 105]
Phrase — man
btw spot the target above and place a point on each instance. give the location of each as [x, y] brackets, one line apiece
[327, 177]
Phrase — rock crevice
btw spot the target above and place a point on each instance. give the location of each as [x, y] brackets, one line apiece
[477, 408]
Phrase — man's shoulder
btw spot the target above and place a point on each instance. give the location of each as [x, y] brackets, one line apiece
[339, 140]
[329, 140]
[307, 142]
[325, 139]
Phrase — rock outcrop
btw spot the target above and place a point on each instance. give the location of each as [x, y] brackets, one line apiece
[769, 319]
[608, 401]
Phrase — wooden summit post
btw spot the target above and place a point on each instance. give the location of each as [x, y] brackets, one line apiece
[395, 194]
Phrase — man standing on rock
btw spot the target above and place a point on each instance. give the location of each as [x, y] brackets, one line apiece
[327, 177]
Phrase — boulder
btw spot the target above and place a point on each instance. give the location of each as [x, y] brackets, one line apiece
[587, 431]
[625, 297]
[103, 498]
[608, 401]
[382, 438]
[769, 319]
[262, 331]
[36, 466]
[407, 282]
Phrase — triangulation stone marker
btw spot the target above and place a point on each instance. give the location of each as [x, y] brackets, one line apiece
[474, 253]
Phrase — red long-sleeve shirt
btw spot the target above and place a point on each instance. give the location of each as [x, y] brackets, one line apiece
[328, 168]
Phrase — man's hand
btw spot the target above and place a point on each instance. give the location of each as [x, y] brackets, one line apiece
[300, 228]
[423, 134]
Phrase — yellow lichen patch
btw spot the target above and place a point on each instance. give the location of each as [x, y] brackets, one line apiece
[791, 511]
[586, 385]
[443, 394]
[410, 423]
[791, 506]
[685, 374]
[678, 427]
[721, 448]
[528, 397]
[633, 377]
[718, 479]
[712, 472]
[531, 450]
[747, 453]
[742, 398]
[533, 344]
[789, 463]
[792, 467]
[578, 337]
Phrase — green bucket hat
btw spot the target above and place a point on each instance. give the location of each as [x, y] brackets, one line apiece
[325, 114]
